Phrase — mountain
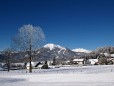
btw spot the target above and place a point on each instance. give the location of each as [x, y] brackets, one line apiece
[53, 46]
[47, 52]
[50, 51]
[81, 50]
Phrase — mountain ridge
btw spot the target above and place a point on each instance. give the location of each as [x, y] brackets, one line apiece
[50, 51]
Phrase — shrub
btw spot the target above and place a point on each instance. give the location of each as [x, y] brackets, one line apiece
[110, 62]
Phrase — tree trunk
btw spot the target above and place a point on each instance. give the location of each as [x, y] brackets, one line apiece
[8, 62]
[30, 68]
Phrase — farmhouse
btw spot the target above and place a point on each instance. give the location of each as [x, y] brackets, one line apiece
[34, 65]
[78, 61]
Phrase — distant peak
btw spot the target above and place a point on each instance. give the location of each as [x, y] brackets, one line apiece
[81, 50]
[52, 46]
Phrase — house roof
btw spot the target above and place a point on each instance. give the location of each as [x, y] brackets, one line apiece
[78, 60]
[93, 59]
[32, 63]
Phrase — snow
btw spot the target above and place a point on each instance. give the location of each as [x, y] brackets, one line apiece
[53, 46]
[64, 52]
[112, 55]
[60, 51]
[81, 50]
[38, 52]
[26, 55]
[64, 76]
[32, 63]
[78, 60]
[93, 61]
[106, 54]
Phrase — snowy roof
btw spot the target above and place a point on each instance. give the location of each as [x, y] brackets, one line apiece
[78, 60]
[32, 63]
[112, 55]
[95, 60]
[67, 61]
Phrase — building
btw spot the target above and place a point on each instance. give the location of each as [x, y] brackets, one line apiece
[93, 61]
[78, 61]
[37, 65]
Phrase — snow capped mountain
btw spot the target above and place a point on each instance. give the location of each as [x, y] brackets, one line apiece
[50, 51]
[81, 50]
[53, 46]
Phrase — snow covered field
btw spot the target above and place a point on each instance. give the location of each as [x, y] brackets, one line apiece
[64, 76]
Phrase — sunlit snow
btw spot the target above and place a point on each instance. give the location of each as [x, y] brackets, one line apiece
[81, 50]
[64, 76]
[53, 46]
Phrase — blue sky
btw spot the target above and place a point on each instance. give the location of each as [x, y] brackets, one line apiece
[85, 24]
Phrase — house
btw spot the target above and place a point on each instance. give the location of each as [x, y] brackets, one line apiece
[78, 61]
[37, 65]
[93, 61]
[67, 62]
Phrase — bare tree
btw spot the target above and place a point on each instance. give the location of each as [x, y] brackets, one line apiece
[29, 38]
[7, 53]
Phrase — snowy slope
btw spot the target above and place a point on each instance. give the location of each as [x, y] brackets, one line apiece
[53, 46]
[81, 50]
